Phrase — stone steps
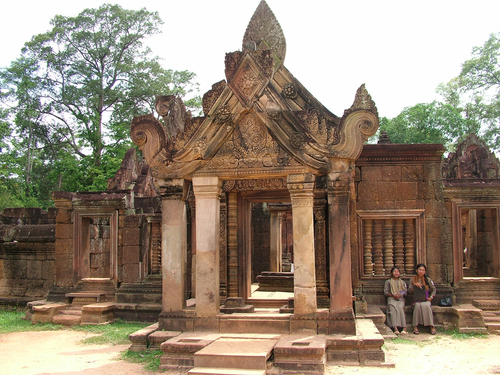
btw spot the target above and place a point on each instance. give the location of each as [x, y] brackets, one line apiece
[491, 314]
[246, 354]
[224, 371]
[67, 320]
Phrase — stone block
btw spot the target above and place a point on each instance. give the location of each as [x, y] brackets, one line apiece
[131, 236]
[435, 209]
[410, 173]
[357, 174]
[387, 190]
[371, 173]
[158, 337]
[64, 247]
[129, 254]
[133, 221]
[34, 269]
[130, 273]
[405, 205]
[139, 339]
[64, 216]
[407, 191]
[303, 326]
[432, 172]
[64, 231]
[426, 190]
[391, 173]
[367, 191]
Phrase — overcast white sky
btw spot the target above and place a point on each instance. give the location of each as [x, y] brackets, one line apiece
[400, 49]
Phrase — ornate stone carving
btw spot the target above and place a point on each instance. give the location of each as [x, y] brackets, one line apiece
[174, 114]
[471, 160]
[224, 115]
[249, 146]
[264, 32]
[212, 95]
[254, 184]
[289, 91]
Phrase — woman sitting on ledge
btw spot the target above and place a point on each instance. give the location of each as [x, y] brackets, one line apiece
[395, 290]
[423, 290]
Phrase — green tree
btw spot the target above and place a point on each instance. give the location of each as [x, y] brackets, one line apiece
[479, 80]
[73, 92]
[426, 123]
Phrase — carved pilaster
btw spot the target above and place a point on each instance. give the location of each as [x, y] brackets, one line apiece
[174, 244]
[322, 289]
[301, 193]
[223, 247]
[232, 243]
[207, 193]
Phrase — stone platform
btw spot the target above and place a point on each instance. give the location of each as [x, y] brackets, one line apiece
[263, 353]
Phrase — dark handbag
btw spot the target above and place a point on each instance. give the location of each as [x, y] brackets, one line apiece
[445, 301]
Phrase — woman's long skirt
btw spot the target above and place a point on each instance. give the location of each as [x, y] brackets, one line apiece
[422, 314]
[395, 313]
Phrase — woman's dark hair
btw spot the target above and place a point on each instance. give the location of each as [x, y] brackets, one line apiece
[394, 268]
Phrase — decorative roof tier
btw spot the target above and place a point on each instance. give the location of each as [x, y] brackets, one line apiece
[259, 121]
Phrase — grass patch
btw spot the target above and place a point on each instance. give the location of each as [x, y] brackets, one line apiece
[456, 335]
[12, 321]
[115, 333]
[150, 359]
[405, 341]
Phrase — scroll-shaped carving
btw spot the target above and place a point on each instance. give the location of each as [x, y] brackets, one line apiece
[174, 113]
[148, 133]
[358, 124]
[264, 32]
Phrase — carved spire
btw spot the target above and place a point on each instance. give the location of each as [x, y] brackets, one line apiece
[363, 100]
[264, 32]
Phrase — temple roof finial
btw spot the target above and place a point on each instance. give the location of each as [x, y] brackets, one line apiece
[264, 32]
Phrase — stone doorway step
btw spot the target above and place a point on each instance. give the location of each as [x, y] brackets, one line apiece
[229, 355]
[491, 314]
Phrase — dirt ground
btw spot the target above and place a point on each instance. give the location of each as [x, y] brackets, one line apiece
[59, 352]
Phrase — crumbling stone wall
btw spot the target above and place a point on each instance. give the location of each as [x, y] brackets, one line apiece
[27, 258]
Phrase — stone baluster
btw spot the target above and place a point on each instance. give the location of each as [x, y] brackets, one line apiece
[378, 255]
[388, 246]
[155, 247]
[409, 231]
[399, 249]
[367, 247]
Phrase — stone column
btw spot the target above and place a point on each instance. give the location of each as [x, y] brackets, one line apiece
[341, 318]
[301, 192]
[207, 192]
[174, 245]
[275, 234]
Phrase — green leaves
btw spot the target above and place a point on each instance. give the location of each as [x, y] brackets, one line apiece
[73, 93]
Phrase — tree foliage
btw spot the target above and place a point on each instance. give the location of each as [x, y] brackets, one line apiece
[71, 96]
[470, 104]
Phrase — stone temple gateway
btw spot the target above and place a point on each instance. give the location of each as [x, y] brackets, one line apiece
[263, 138]
[268, 190]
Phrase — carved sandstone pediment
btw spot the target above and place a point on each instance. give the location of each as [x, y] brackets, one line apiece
[262, 120]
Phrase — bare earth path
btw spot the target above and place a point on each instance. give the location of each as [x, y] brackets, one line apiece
[59, 352]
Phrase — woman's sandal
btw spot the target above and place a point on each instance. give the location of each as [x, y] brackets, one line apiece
[395, 330]
[404, 332]
[415, 331]
[433, 330]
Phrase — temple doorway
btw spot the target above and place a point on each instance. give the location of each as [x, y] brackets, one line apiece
[480, 242]
[267, 242]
